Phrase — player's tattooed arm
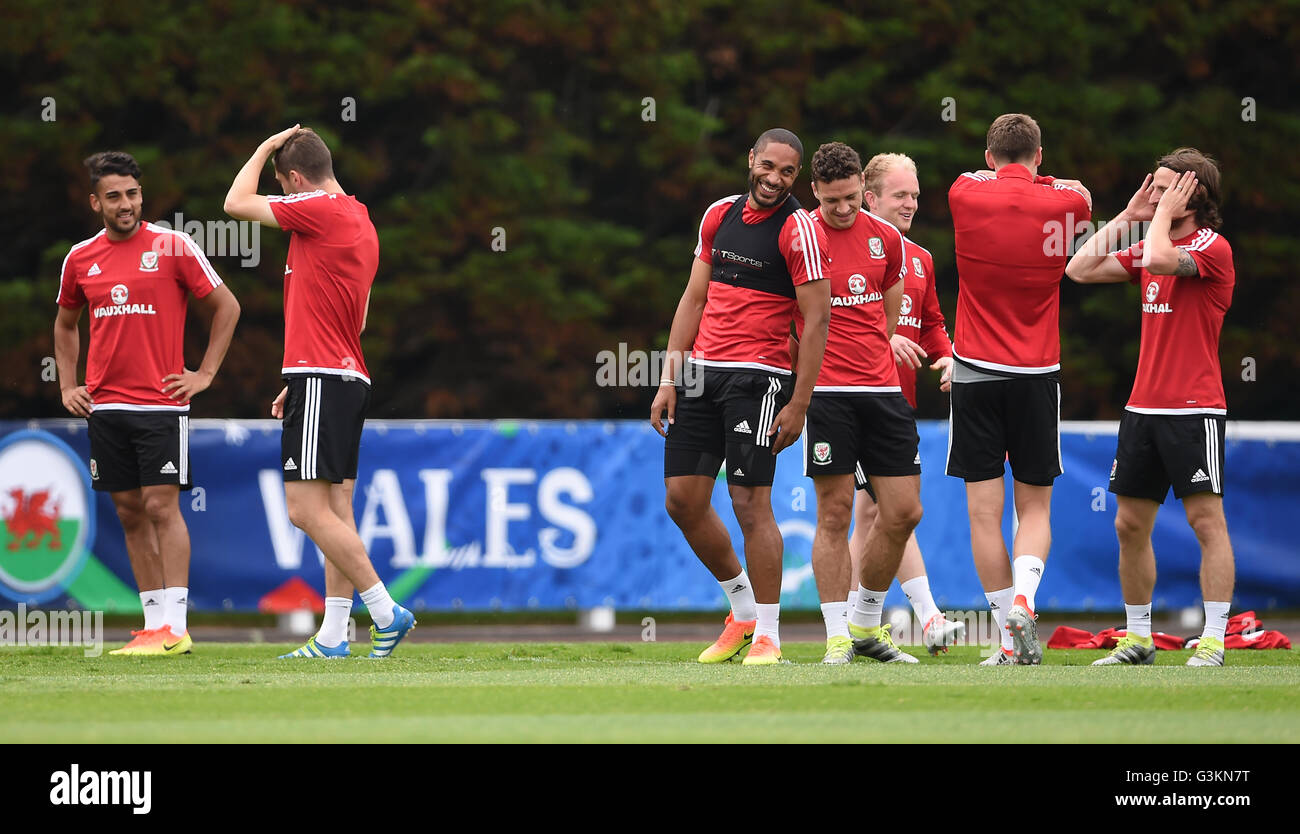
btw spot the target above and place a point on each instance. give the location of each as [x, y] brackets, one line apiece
[1186, 264]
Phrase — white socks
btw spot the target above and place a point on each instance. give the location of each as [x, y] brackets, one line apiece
[1216, 619]
[174, 608]
[866, 614]
[1139, 619]
[380, 605]
[918, 593]
[1028, 572]
[741, 596]
[769, 622]
[836, 615]
[334, 627]
[1000, 604]
[152, 602]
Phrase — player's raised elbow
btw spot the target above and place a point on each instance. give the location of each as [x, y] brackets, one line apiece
[1085, 269]
[240, 208]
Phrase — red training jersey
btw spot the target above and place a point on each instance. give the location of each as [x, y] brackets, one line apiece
[746, 328]
[333, 257]
[1178, 364]
[137, 290]
[1012, 238]
[866, 260]
[920, 318]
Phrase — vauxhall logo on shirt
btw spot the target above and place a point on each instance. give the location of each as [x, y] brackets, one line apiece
[1153, 292]
[120, 295]
[857, 286]
[905, 317]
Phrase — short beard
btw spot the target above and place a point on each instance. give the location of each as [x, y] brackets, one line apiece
[116, 225]
[757, 198]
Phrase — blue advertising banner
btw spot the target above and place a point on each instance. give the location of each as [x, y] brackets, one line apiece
[552, 515]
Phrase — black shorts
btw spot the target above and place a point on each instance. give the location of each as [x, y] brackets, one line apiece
[131, 449]
[1156, 451]
[1016, 419]
[862, 435]
[323, 418]
[728, 417]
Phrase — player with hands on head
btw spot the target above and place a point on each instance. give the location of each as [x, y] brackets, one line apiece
[1006, 394]
[333, 258]
[1173, 429]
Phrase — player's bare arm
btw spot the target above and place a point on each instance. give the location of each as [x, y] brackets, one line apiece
[893, 306]
[814, 299]
[67, 346]
[686, 324]
[242, 201]
[222, 308]
[1094, 263]
[1162, 257]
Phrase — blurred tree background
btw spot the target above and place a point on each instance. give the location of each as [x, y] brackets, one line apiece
[591, 136]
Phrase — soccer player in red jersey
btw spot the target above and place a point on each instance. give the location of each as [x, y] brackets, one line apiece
[333, 257]
[137, 278]
[1007, 352]
[1173, 427]
[759, 258]
[860, 427]
[892, 192]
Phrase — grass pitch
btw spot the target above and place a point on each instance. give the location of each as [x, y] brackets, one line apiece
[651, 692]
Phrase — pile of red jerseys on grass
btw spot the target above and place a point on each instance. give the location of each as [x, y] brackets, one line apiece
[1245, 631]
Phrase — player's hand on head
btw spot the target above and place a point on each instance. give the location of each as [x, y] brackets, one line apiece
[274, 142]
[787, 427]
[906, 352]
[944, 363]
[1174, 200]
[665, 400]
[77, 400]
[1140, 206]
[277, 405]
[183, 386]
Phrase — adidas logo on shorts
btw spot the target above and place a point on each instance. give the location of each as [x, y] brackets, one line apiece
[290, 466]
[743, 428]
[169, 468]
[739, 472]
[1200, 476]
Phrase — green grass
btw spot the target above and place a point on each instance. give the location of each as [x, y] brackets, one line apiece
[651, 692]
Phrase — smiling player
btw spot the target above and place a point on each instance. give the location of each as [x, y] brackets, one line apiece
[136, 278]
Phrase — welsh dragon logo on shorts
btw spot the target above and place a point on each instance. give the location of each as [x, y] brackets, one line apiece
[822, 452]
